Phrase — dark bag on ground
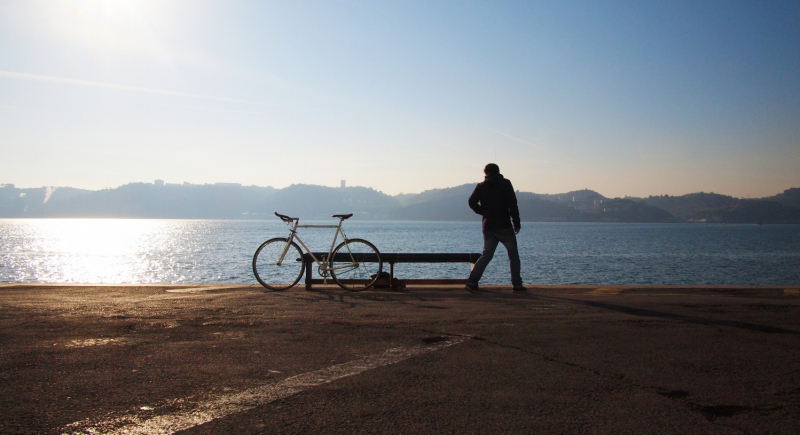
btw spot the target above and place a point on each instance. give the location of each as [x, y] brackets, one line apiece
[385, 276]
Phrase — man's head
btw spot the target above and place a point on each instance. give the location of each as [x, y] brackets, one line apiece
[491, 168]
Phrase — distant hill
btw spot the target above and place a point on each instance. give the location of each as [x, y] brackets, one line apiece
[584, 200]
[712, 207]
[627, 210]
[451, 204]
[534, 209]
[32, 202]
[589, 206]
[320, 202]
[790, 197]
[234, 201]
[684, 207]
[190, 201]
[749, 211]
[450, 208]
[464, 190]
[134, 200]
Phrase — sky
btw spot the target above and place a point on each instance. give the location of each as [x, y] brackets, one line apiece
[628, 97]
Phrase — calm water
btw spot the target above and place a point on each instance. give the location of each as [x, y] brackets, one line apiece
[208, 251]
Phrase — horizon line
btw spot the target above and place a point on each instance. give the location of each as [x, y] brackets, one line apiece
[186, 183]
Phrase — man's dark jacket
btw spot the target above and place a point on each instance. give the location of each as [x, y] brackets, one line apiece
[495, 200]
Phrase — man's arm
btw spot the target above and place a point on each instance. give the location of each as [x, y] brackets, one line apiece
[513, 208]
[474, 200]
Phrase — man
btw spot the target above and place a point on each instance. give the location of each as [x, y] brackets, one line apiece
[495, 200]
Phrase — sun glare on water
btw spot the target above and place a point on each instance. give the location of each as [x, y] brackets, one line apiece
[92, 250]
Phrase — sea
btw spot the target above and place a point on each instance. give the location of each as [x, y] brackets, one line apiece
[220, 251]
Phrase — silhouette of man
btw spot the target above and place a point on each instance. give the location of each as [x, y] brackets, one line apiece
[495, 200]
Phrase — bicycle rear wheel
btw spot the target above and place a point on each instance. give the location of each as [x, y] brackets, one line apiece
[360, 264]
[276, 276]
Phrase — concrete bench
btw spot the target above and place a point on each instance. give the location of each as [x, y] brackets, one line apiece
[400, 257]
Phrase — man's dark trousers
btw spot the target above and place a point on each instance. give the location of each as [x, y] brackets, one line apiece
[491, 238]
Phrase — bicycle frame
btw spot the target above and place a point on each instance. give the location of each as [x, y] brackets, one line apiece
[355, 264]
[322, 266]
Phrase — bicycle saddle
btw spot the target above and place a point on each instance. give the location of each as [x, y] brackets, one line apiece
[285, 218]
[343, 216]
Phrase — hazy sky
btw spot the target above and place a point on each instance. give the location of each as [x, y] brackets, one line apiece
[623, 97]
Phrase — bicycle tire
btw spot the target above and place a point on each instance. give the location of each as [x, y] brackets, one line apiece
[364, 274]
[266, 269]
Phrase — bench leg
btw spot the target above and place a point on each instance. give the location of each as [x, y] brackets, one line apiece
[308, 276]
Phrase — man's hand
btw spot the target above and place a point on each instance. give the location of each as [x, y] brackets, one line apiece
[516, 230]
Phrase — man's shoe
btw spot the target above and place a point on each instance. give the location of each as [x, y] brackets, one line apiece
[519, 289]
[473, 287]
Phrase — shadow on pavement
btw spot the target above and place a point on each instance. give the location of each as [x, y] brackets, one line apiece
[679, 317]
[484, 295]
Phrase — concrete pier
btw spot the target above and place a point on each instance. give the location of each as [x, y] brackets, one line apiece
[211, 359]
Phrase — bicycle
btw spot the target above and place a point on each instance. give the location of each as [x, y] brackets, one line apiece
[278, 263]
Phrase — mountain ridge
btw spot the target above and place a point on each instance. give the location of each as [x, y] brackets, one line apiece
[235, 201]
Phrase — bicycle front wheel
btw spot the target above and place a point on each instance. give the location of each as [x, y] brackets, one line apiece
[272, 274]
[356, 265]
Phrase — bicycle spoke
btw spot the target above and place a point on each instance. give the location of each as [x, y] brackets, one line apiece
[362, 264]
[276, 276]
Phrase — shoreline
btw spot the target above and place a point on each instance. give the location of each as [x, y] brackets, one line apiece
[410, 288]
